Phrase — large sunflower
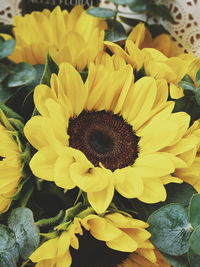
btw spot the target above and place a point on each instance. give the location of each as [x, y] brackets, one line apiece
[92, 240]
[10, 163]
[74, 37]
[109, 133]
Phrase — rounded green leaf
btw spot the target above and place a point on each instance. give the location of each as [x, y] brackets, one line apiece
[102, 12]
[22, 74]
[27, 233]
[170, 229]
[194, 241]
[115, 32]
[6, 48]
[177, 261]
[9, 253]
[193, 211]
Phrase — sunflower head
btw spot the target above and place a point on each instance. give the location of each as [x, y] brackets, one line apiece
[10, 163]
[88, 237]
[74, 37]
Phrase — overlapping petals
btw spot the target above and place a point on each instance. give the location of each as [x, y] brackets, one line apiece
[73, 37]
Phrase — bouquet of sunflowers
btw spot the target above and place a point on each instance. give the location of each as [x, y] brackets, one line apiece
[99, 142]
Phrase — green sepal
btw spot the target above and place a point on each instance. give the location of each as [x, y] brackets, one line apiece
[51, 221]
[49, 235]
[72, 212]
[187, 86]
[22, 223]
[50, 68]
[187, 78]
[170, 229]
[102, 12]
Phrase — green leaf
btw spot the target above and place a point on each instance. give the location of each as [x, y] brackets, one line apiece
[121, 2]
[102, 12]
[9, 253]
[115, 32]
[129, 21]
[50, 67]
[198, 77]
[6, 48]
[170, 229]
[194, 241]
[139, 5]
[3, 72]
[193, 211]
[180, 261]
[197, 96]
[188, 79]
[193, 258]
[23, 74]
[27, 234]
[5, 93]
[160, 10]
[187, 86]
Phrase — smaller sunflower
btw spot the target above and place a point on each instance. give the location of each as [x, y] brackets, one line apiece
[142, 37]
[191, 174]
[10, 163]
[74, 37]
[95, 241]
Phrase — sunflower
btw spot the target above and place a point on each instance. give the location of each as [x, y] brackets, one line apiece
[94, 240]
[191, 174]
[158, 65]
[74, 37]
[142, 37]
[107, 133]
[10, 163]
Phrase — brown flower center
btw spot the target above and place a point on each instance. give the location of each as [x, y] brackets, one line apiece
[104, 137]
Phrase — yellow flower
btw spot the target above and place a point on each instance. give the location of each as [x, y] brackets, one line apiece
[142, 259]
[10, 164]
[191, 174]
[91, 240]
[107, 133]
[142, 37]
[157, 65]
[74, 37]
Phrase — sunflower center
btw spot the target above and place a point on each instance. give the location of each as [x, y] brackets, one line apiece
[104, 137]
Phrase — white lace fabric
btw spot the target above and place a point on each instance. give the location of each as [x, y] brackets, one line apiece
[185, 31]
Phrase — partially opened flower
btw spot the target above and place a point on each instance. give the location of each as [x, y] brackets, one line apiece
[191, 174]
[90, 241]
[74, 37]
[10, 163]
[107, 133]
[142, 37]
[158, 65]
